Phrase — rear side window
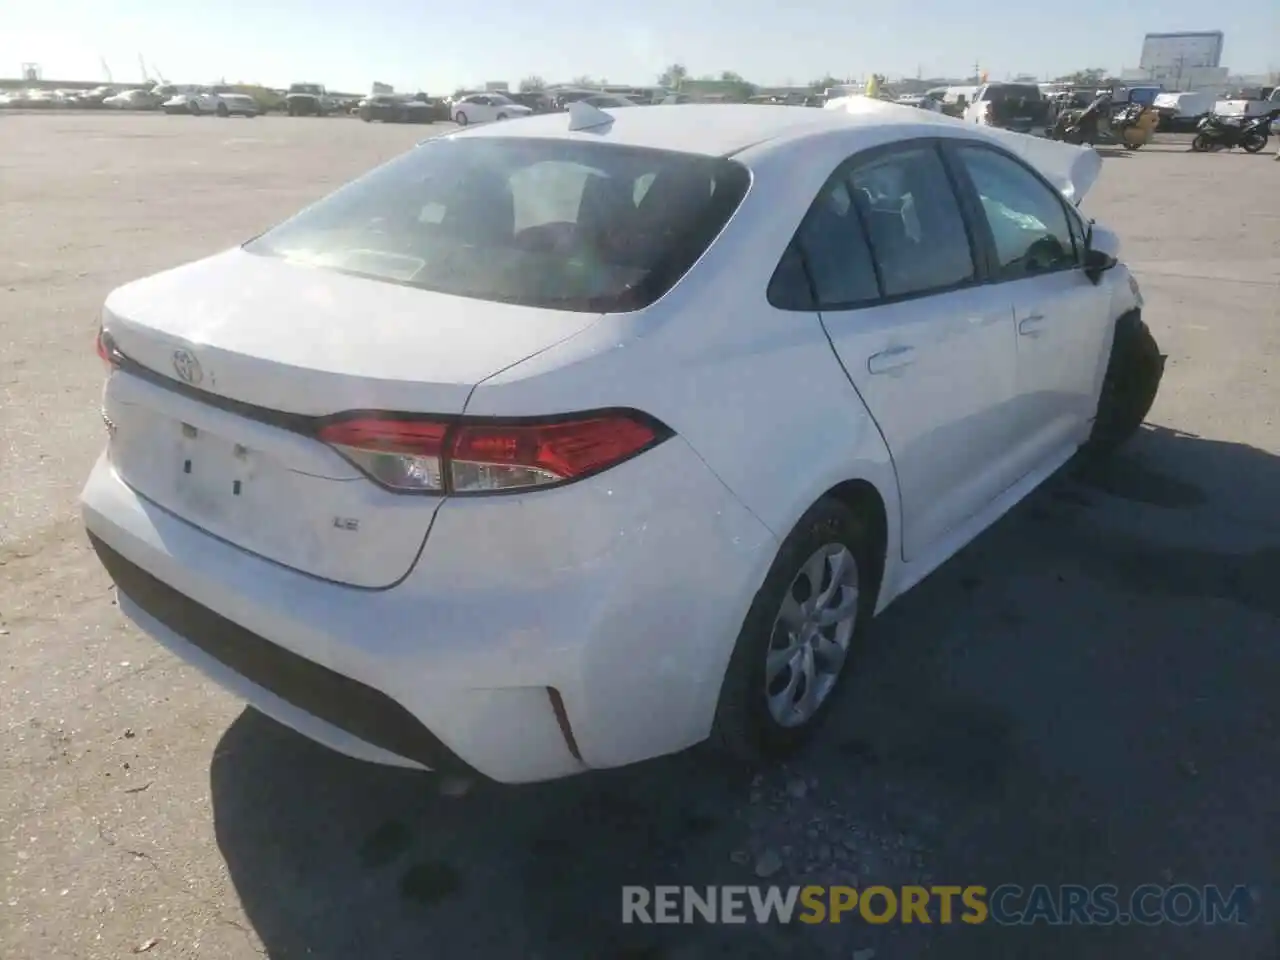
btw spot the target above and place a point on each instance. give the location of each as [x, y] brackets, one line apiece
[833, 246]
[913, 219]
[549, 223]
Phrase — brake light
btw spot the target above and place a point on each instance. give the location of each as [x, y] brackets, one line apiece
[108, 352]
[400, 454]
[475, 456]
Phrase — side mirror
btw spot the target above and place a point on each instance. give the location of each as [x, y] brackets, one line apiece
[1101, 252]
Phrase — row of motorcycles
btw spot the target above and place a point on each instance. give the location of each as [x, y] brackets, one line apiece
[1251, 134]
[1129, 125]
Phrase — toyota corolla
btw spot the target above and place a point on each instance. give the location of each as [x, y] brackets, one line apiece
[561, 444]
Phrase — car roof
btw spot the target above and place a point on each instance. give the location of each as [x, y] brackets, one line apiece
[709, 129]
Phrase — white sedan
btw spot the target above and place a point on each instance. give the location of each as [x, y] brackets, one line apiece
[131, 100]
[220, 103]
[485, 107]
[532, 453]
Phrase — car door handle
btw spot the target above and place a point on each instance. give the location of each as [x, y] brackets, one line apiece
[895, 358]
[1031, 326]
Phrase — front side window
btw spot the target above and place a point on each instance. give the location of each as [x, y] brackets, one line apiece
[587, 226]
[913, 221]
[1027, 218]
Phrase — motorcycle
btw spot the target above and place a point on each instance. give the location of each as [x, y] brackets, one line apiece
[1130, 126]
[1225, 133]
[1134, 125]
[1081, 126]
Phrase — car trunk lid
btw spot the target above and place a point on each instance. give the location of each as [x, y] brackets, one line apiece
[231, 364]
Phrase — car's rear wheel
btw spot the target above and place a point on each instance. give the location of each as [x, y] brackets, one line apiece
[460, 119]
[1129, 386]
[502, 116]
[193, 108]
[223, 111]
[796, 641]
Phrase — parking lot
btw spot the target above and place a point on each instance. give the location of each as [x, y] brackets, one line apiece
[1087, 694]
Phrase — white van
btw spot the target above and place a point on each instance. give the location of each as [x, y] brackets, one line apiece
[1180, 112]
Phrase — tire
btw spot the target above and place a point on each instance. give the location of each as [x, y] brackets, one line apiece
[502, 116]
[193, 108]
[223, 111]
[1201, 144]
[460, 119]
[746, 726]
[1255, 142]
[1129, 386]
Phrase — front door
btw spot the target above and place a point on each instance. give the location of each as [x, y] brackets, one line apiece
[1061, 317]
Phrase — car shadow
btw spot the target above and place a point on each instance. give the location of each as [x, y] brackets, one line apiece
[1069, 700]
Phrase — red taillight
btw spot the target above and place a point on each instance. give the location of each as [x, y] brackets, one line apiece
[401, 454]
[478, 456]
[107, 351]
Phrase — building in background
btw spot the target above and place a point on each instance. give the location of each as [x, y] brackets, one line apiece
[1189, 60]
[1167, 51]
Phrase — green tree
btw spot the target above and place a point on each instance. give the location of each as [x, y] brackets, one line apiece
[674, 76]
[741, 89]
[532, 84]
[1092, 77]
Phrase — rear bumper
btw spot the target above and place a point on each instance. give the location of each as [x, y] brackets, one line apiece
[623, 594]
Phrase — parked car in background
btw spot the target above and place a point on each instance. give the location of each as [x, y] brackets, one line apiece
[38, 99]
[1019, 107]
[535, 100]
[396, 108]
[131, 100]
[219, 101]
[309, 100]
[89, 99]
[1181, 112]
[607, 101]
[563, 97]
[486, 107]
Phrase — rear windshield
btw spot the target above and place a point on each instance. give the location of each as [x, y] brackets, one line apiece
[1013, 91]
[550, 223]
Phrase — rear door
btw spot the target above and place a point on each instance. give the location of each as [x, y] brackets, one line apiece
[1061, 317]
[929, 349]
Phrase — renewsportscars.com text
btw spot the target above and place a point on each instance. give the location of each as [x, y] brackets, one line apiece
[1006, 905]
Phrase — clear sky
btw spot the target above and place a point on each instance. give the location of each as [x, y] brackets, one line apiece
[440, 46]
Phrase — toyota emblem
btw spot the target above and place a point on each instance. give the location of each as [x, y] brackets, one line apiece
[187, 367]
